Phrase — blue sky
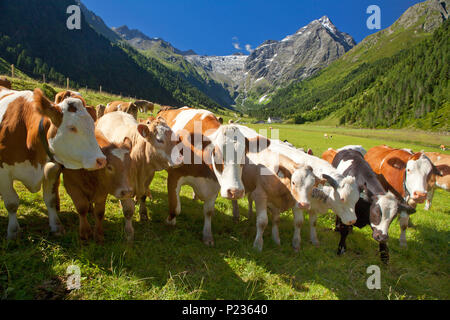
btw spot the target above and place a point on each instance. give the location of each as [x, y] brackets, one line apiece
[212, 26]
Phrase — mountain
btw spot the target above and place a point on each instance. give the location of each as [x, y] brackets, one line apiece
[229, 71]
[97, 23]
[176, 60]
[43, 45]
[394, 78]
[296, 57]
[142, 42]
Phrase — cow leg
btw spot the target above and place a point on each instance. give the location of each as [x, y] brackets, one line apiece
[208, 211]
[429, 199]
[99, 213]
[404, 219]
[11, 200]
[275, 222]
[298, 223]
[236, 214]
[142, 208]
[173, 191]
[344, 231]
[250, 207]
[384, 253]
[261, 221]
[50, 186]
[312, 227]
[128, 212]
[82, 205]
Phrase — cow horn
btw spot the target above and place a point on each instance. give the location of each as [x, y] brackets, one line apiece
[331, 181]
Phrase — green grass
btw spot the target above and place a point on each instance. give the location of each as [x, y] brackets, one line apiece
[173, 263]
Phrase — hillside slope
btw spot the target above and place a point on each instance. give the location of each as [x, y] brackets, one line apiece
[44, 45]
[373, 67]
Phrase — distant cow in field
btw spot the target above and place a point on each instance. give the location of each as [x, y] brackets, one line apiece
[442, 163]
[5, 83]
[407, 175]
[154, 148]
[100, 109]
[376, 207]
[91, 188]
[144, 106]
[127, 107]
[37, 137]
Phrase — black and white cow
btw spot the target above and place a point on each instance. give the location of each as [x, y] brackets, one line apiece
[376, 207]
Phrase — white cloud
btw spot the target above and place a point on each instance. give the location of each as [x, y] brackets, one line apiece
[248, 48]
[235, 42]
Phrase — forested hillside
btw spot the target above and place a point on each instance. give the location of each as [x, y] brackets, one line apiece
[395, 78]
[44, 45]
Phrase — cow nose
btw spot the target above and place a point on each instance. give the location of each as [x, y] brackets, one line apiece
[100, 163]
[379, 236]
[351, 222]
[304, 205]
[234, 194]
[419, 195]
[126, 194]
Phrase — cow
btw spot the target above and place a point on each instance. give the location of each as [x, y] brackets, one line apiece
[100, 110]
[144, 106]
[61, 96]
[407, 175]
[127, 107]
[89, 189]
[37, 137]
[5, 83]
[442, 163]
[216, 157]
[377, 207]
[154, 148]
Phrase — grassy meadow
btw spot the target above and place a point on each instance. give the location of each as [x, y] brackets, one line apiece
[173, 263]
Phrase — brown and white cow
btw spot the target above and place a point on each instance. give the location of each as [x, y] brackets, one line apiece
[90, 189]
[154, 148]
[127, 107]
[406, 174]
[214, 158]
[100, 110]
[34, 131]
[442, 163]
[63, 95]
[5, 83]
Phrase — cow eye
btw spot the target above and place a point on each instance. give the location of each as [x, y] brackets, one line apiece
[110, 168]
[73, 129]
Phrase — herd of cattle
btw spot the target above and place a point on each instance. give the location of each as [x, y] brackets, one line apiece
[106, 151]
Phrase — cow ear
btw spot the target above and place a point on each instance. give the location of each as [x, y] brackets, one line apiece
[127, 144]
[46, 108]
[397, 163]
[60, 97]
[407, 208]
[284, 173]
[257, 144]
[92, 113]
[144, 131]
[441, 170]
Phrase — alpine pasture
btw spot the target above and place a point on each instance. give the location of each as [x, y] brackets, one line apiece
[173, 263]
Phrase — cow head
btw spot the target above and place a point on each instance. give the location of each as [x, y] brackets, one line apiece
[383, 209]
[302, 183]
[71, 137]
[419, 171]
[227, 152]
[344, 197]
[115, 174]
[163, 143]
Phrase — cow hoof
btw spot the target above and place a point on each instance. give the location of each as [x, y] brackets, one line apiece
[208, 241]
[236, 219]
[172, 222]
[143, 217]
[59, 231]
[315, 243]
[13, 234]
[341, 251]
[277, 242]
[258, 245]
[384, 258]
[403, 244]
[99, 238]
